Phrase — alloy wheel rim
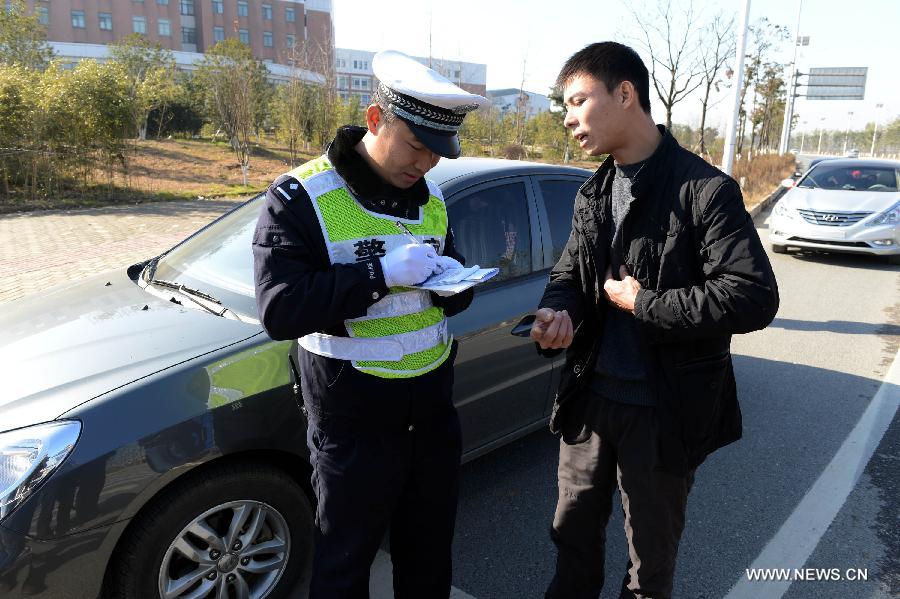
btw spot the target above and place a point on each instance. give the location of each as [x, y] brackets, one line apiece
[236, 550]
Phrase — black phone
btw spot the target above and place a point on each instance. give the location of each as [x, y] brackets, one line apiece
[523, 329]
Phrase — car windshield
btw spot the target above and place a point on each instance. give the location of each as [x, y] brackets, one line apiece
[218, 260]
[851, 178]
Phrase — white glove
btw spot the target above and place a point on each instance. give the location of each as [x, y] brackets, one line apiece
[408, 264]
[447, 263]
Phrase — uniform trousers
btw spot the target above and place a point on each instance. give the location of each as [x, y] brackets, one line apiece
[392, 466]
[620, 453]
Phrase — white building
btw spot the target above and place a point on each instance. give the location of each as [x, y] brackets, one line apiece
[72, 53]
[506, 100]
[355, 76]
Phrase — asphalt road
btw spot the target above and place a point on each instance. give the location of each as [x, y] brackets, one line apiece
[804, 384]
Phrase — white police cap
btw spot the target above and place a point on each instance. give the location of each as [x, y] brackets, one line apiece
[432, 106]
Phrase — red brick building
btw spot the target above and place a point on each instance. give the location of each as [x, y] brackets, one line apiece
[270, 27]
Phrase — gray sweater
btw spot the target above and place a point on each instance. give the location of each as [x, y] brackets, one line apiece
[620, 373]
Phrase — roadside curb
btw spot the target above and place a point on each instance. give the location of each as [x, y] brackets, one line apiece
[763, 205]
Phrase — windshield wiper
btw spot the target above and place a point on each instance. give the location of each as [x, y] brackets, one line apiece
[192, 294]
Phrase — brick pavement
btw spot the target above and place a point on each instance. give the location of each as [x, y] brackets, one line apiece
[41, 249]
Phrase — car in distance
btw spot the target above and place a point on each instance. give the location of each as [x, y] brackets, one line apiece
[852, 153]
[841, 205]
[152, 439]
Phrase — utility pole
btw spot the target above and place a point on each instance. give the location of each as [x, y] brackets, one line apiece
[791, 91]
[875, 132]
[802, 136]
[847, 134]
[731, 129]
[821, 125]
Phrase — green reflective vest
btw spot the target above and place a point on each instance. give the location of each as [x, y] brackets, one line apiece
[402, 335]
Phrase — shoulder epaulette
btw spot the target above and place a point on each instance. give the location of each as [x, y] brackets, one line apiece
[287, 188]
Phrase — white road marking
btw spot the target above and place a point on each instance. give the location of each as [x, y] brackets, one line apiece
[381, 584]
[800, 534]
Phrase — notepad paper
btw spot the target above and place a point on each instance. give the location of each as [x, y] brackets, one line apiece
[454, 280]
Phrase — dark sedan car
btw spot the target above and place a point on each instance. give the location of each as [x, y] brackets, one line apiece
[151, 437]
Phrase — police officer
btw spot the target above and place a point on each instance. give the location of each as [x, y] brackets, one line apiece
[334, 269]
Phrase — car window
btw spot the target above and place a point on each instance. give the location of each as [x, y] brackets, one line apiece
[559, 199]
[851, 178]
[491, 228]
[218, 260]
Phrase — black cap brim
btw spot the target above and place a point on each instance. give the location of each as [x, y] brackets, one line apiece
[442, 143]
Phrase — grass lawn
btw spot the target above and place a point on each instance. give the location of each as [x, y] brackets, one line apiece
[173, 169]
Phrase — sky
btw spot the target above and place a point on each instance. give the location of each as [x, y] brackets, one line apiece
[536, 37]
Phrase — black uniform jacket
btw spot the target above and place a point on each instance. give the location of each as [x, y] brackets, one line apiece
[705, 276]
[299, 291]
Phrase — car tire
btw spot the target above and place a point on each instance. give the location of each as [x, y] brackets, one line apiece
[779, 249]
[279, 517]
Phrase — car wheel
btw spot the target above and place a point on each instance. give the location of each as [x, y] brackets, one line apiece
[235, 530]
[779, 249]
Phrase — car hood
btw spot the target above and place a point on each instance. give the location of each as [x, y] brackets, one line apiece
[70, 344]
[827, 200]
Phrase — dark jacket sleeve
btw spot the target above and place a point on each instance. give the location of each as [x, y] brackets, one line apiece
[453, 304]
[739, 293]
[298, 291]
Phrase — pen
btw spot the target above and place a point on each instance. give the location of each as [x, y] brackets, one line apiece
[409, 233]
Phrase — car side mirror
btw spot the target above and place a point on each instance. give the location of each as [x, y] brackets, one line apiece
[787, 183]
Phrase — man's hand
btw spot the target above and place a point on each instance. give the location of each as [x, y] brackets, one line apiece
[551, 329]
[621, 294]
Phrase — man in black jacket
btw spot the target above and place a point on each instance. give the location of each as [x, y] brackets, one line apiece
[662, 267]
[339, 247]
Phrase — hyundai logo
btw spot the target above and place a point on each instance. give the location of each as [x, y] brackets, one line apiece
[831, 218]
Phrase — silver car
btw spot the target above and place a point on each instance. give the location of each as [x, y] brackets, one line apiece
[841, 205]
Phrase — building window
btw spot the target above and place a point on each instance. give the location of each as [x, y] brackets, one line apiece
[244, 36]
[188, 35]
[289, 15]
[139, 24]
[43, 14]
[267, 12]
[361, 65]
[341, 63]
[78, 19]
[289, 40]
[105, 19]
[342, 82]
[360, 83]
[267, 39]
[218, 7]
[165, 30]
[456, 74]
[163, 2]
[218, 33]
[187, 8]
[243, 11]
[365, 99]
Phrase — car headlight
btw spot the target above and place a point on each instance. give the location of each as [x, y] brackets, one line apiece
[29, 455]
[782, 210]
[891, 216]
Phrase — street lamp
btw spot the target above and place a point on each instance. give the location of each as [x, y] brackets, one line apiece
[847, 135]
[821, 129]
[875, 131]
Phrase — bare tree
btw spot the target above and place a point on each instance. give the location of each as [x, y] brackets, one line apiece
[671, 40]
[235, 90]
[764, 37]
[718, 45]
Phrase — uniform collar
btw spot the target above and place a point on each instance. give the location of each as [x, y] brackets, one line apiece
[370, 189]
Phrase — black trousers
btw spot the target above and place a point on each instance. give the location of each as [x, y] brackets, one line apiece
[619, 453]
[395, 470]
